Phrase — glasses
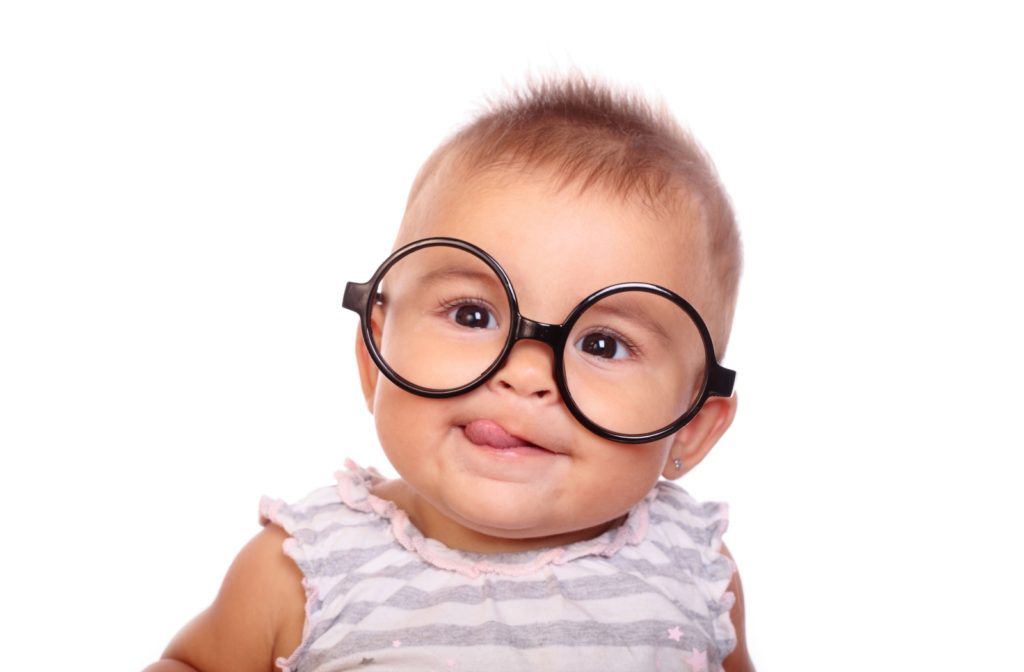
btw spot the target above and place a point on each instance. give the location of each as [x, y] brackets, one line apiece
[633, 362]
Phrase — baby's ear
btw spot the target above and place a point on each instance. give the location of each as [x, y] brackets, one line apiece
[368, 371]
[699, 436]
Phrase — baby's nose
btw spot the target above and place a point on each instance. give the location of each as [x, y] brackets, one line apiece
[528, 371]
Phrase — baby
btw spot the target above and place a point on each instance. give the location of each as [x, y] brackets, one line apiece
[540, 349]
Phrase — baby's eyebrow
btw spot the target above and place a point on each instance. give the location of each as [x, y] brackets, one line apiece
[458, 273]
[632, 314]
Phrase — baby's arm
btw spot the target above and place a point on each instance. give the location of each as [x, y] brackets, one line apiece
[257, 616]
[739, 659]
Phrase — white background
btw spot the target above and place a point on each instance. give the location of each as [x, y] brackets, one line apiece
[185, 187]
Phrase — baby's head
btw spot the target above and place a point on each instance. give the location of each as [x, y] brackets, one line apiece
[508, 431]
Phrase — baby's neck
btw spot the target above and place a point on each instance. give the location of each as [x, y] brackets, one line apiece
[433, 524]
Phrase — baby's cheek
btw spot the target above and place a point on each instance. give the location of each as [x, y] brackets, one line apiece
[406, 422]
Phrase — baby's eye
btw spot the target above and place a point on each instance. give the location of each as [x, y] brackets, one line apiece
[473, 316]
[602, 345]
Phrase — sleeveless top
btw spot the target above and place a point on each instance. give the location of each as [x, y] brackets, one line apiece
[647, 595]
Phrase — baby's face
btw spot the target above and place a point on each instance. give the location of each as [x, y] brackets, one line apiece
[559, 482]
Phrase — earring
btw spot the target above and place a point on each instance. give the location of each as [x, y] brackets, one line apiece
[678, 464]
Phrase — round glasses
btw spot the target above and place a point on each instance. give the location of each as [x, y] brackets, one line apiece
[633, 362]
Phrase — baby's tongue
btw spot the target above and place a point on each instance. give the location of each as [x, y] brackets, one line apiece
[490, 433]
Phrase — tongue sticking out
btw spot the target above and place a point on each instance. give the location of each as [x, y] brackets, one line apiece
[490, 433]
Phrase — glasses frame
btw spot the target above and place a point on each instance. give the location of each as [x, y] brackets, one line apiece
[360, 298]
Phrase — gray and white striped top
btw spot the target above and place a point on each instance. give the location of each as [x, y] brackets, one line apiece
[648, 595]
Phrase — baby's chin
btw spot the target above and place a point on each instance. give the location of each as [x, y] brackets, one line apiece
[498, 525]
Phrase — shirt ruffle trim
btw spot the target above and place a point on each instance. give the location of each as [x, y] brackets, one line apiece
[725, 631]
[715, 516]
[355, 490]
[275, 511]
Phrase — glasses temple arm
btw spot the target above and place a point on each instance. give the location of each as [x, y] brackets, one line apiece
[720, 381]
[356, 294]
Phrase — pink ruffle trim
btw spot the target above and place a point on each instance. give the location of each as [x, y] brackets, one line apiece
[354, 486]
[270, 512]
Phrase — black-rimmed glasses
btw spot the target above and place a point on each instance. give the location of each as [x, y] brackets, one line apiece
[633, 362]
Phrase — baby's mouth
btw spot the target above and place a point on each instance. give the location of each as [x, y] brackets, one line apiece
[490, 433]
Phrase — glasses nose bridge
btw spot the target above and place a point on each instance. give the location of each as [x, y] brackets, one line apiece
[538, 331]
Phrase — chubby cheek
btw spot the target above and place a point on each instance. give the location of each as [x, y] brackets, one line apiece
[634, 469]
[610, 478]
[407, 425]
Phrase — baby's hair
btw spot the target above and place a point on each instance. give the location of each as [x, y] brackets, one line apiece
[591, 135]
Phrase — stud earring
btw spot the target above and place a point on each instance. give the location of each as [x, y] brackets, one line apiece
[677, 463]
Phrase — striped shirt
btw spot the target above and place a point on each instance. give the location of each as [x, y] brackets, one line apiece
[647, 595]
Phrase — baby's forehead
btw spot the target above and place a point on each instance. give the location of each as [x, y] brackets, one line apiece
[561, 239]
[453, 196]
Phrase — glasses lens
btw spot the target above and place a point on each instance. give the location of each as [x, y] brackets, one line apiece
[634, 362]
[441, 318]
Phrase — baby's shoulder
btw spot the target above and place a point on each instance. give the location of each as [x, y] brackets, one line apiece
[257, 616]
